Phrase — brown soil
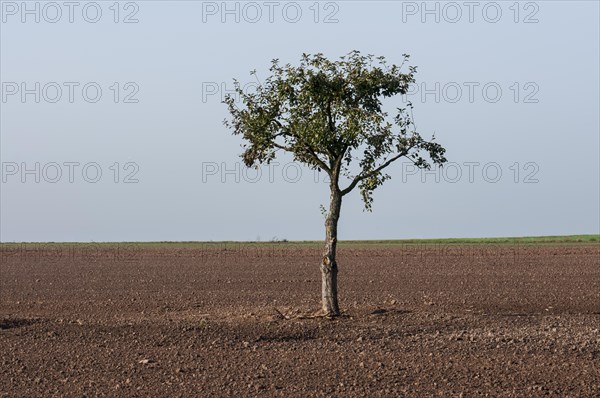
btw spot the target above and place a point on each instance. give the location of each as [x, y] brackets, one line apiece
[230, 320]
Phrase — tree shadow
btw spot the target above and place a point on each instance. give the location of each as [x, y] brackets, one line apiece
[389, 311]
[12, 323]
[287, 337]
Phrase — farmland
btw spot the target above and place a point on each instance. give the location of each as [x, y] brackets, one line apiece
[504, 317]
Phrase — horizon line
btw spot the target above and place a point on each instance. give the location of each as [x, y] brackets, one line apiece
[531, 239]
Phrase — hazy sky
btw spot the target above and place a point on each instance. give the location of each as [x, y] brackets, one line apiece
[510, 89]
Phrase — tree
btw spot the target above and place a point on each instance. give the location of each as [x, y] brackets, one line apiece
[328, 115]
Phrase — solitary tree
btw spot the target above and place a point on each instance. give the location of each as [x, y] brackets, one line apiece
[328, 115]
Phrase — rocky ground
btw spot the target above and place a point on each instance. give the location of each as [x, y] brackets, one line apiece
[234, 320]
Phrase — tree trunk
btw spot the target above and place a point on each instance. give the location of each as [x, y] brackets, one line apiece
[329, 265]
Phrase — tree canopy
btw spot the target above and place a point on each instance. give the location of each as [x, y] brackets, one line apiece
[329, 115]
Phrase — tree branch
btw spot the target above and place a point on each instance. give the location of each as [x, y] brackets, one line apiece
[312, 153]
[331, 125]
[318, 160]
[361, 176]
[285, 148]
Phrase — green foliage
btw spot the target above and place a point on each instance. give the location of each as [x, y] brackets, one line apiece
[329, 115]
[323, 211]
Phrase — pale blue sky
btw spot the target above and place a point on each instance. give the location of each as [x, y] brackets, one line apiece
[166, 125]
